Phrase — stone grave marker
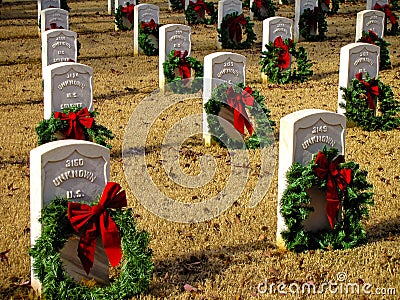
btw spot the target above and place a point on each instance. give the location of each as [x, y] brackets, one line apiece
[370, 20]
[43, 4]
[77, 170]
[220, 67]
[144, 13]
[172, 37]
[226, 7]
[272, 28]
[302, 134]
[299, 7]
[65, 85]
[110, 7]
[124, 3]
[53, 18]
[371, 3]
[59, 45]
[356, 58]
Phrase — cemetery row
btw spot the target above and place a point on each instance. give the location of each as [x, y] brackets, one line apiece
[80, 170]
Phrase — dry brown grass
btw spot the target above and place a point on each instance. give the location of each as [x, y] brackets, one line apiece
[227, 257]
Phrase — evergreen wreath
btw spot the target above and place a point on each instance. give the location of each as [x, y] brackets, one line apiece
[177, 4]
[246, 3]
[230, 32]
[195, 13]
[145, 43]
[258, 111]
[183, 82]
[395, 4]
[136, 271]
[76, 123]
[275, 62]
[313, 18]
[362, 98]
[263, 9]
[124, 11]
[391, 16]
[329, 173]
[372, 38]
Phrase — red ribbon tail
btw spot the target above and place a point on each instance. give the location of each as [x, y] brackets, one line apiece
[111, 240]
[332, 208]
[238, 121]
[86, 249]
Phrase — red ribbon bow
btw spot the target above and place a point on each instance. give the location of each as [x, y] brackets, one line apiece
[183, 66]
[234, 25]
[53, 25]
[76, 122]
[237, 101]
[327, 2]
[95, 220]
[372, 89]
[335, 178]
[200, 7]
[152, 25]
[258, 3]
[370, 38]
[128, 11]
[386, 9]
[284, 55]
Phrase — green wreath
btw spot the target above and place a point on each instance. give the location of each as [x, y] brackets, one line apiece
[47, 130]
[372, 38]
[358, 108]
[144, 41]
[136, 271]
[177, 83]
[316, 15]
[177, 4]
[395, 4]
[271, 68]
[192, 16]
[118, 18]
[267, 5]
[236, 23]
[390, 17]
[354, 200]
[259, 112]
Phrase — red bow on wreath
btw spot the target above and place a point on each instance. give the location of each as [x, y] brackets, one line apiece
[386, 9]
[258, 3]
[372, 89]
[95, 220]
[237, 101]
[54, 26]
[335, 179]
[284, 55]
[327, 2]
[371, 38]
[200, 7]
[235, 27]
[152, 25]
[76, 122]
[183, 66]
[128, 11]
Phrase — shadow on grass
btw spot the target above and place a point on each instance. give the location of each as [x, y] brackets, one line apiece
[196, 267]
[384, 230]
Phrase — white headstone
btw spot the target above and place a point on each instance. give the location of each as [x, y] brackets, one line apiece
[274, 27]
[59, 45]
[77, 170]
[220, 67]
[371, 3]
[302, 134]
[111, 7]
[124, 3]
[65, 85]
[356, 58]
[144, 13]
[53, 18]
[172, 37]
[43, 4]
[299, 7]
[370, 20]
